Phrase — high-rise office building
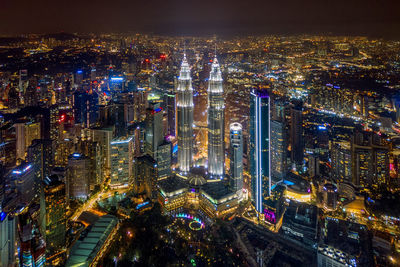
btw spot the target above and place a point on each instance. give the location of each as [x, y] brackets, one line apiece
[23, 80]
[7, 238]
[216, 107]
[185, 117]
[260, 148]
[146, 175]
[164, 156]
[24, 180]
[40, 153]
[93, 151]
[78, 176]
[278, 151]
[121, 161]
[78, 78]
[370, 159]
[95, 154]
[54, 122]
[329, 193]
[103, 136]
[236, 157]
[32, 249]
[313, 165]
[170, 103]
[25, 133]
[93, 75]
[55, 209]
[85, 107]
[63, 149]
[341, 161]
[118, 112]
[296, 134]
[154, 126]
[140, 105]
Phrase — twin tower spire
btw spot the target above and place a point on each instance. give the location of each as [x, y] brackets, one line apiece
[216, 155]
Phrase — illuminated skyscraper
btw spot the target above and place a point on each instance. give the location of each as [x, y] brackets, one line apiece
[40, 153]
[78, 176]
[170, 103]
[93, 74]
[164, 159]
[370, 162]
[260, 148]
[185, 117]
[55, 206]
[341, 161]
[278, 150]
[121, 161]
[25, 133]
[103, 136]
[145, 177]
[296, 134]
[236, 157]
[216, 155]
[23, 177]
[7, 238]
[79, 77]
[85, 107]
[154, 132]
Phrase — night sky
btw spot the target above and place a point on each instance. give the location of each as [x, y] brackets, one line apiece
[365, 17]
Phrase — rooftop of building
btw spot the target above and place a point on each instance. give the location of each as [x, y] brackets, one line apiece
[146, 158]
[301, 213]
[121, 140]
[172, 185]
[277, 193]
[217, 190]
[84, 251]
[22, 169]
[76, 156]
[337, 255]
[297, 183]
[52, 180]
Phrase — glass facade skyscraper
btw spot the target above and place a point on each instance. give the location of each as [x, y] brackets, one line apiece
[185, 118]
[216, 155]
[236, 156]
[260, 148]
[121, 161]
[55, 208]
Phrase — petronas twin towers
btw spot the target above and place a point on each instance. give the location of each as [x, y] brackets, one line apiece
[185, 118]
[216, 155]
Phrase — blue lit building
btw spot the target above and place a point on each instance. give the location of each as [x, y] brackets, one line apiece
[260, 148]
[23, 178]
[85, 107]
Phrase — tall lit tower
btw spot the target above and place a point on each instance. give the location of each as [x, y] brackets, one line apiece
[236, 157]
[216, 155]
[260, 148]
[185, 117]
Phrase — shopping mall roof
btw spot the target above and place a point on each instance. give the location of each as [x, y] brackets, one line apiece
[84, 251]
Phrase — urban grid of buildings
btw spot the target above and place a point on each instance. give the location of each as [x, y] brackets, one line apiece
[294, 141]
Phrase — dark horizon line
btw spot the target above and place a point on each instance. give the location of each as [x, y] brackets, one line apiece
[376, 31]
[204, 35]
